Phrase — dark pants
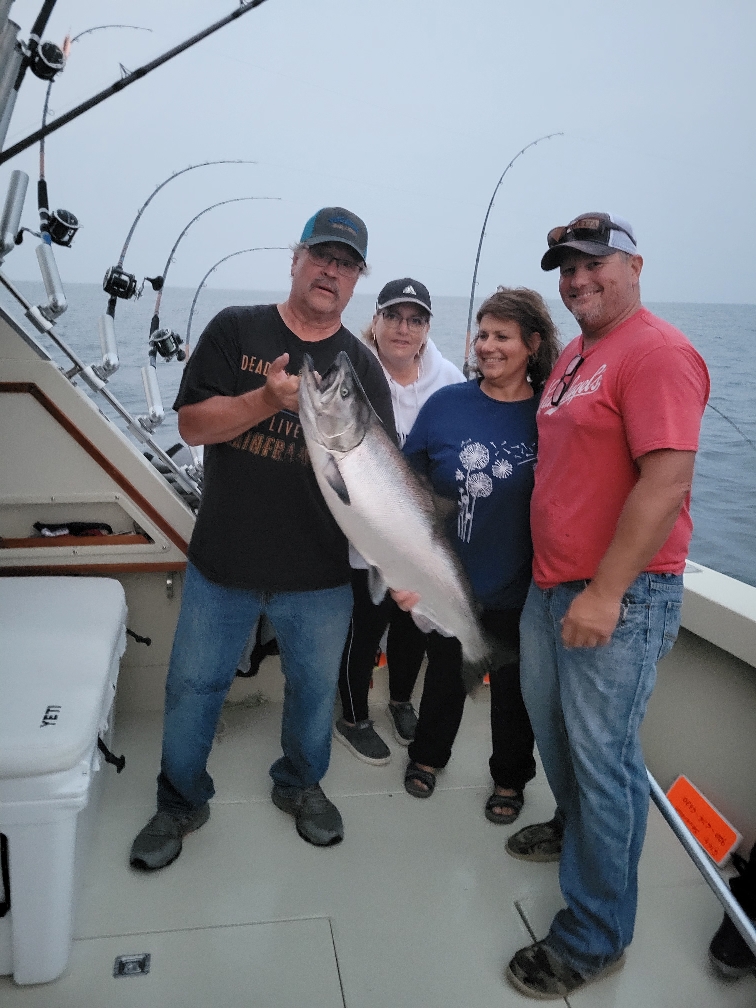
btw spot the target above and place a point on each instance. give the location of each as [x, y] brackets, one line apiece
[512, 763]
[405, 650]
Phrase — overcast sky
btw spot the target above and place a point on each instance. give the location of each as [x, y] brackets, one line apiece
[407, 112]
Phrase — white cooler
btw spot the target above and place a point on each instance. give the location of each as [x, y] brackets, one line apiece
[61, 639]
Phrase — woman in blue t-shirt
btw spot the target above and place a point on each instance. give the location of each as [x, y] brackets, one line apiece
[476, 443]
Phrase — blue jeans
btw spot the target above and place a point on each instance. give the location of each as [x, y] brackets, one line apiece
[586, 706]
[213, 627]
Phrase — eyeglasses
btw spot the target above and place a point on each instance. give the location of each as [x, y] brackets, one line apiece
[344, 267]
[595, 229]
[566, 380]
[415, 323]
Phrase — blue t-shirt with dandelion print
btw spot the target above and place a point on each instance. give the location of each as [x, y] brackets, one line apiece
[481, 453]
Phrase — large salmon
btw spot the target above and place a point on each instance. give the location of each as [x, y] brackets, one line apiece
[385, 510]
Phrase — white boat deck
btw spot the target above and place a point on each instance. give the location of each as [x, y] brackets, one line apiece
[419, 906]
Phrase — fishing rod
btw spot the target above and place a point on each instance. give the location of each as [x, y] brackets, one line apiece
[60, 226]
[548, 136]
[124, 82]
[164, 341]
[258, 248]
[45, 59]
[118, 283]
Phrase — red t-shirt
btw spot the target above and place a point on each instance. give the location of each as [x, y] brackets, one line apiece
[641, 388]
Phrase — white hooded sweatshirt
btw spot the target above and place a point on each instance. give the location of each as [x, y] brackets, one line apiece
[435, 371]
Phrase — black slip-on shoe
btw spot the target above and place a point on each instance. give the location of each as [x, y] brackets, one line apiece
[363, 741]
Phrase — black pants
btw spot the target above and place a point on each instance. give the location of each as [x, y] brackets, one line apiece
[405, 650]
[512, 763]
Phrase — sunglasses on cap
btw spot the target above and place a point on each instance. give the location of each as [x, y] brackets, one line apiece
[595, 229]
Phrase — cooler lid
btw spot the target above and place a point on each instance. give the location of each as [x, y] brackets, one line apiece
[60, 642]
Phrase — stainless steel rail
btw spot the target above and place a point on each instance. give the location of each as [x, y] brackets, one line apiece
[81, 370]
[707, 868]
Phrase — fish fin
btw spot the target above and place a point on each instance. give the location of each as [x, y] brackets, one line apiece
[376, 585]
[445, 507]
[335, 480]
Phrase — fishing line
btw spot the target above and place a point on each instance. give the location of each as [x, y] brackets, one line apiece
[733, 424]
[124, 82]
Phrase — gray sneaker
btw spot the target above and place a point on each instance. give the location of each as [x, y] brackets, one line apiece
[318, 820]
[404, 721]
[540, 842]
[159, 842]
[363, 741]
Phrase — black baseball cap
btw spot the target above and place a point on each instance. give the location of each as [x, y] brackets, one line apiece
[403, 291]
[335, 224]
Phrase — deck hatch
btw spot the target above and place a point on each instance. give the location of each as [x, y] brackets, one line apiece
[132, 965]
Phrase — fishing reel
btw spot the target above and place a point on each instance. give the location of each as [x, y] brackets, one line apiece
[46, 61]
[60, 225]
[119, 284]
[168, 344]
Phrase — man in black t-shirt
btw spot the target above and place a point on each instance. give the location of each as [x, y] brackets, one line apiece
[264, 540]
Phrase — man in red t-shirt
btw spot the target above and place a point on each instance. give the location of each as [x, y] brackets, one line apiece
[618, 427]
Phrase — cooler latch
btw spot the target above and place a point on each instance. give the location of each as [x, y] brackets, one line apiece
[119, 762]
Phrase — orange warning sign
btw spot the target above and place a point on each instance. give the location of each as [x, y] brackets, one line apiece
[708, 826]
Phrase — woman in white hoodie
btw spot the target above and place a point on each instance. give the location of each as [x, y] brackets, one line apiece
[414, 369]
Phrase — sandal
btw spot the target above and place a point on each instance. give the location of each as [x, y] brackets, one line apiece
[513, 802]
[415, 775]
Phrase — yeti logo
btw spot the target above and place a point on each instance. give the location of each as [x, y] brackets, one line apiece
[50, 716]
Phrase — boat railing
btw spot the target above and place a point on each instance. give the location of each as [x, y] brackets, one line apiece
[706, 867]
[186, 477]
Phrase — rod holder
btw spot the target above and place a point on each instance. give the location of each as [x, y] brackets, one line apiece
[11, 60]
[90, 376]
[38, 320]
[56, 298]
[155, 412]
[10, 222]
[108, 345]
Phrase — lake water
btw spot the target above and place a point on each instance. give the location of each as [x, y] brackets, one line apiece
[724, 488]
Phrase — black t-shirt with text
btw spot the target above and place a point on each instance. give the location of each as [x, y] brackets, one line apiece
[263, 524]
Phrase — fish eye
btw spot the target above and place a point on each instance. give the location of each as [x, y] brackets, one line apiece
[344, 391]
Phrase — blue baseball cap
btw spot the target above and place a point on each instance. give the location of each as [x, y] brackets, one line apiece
[335, 224]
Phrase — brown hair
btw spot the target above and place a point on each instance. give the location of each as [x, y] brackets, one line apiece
[528, 309]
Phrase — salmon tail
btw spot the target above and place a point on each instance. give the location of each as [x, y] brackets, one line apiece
[496, 655]
[473, 673]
